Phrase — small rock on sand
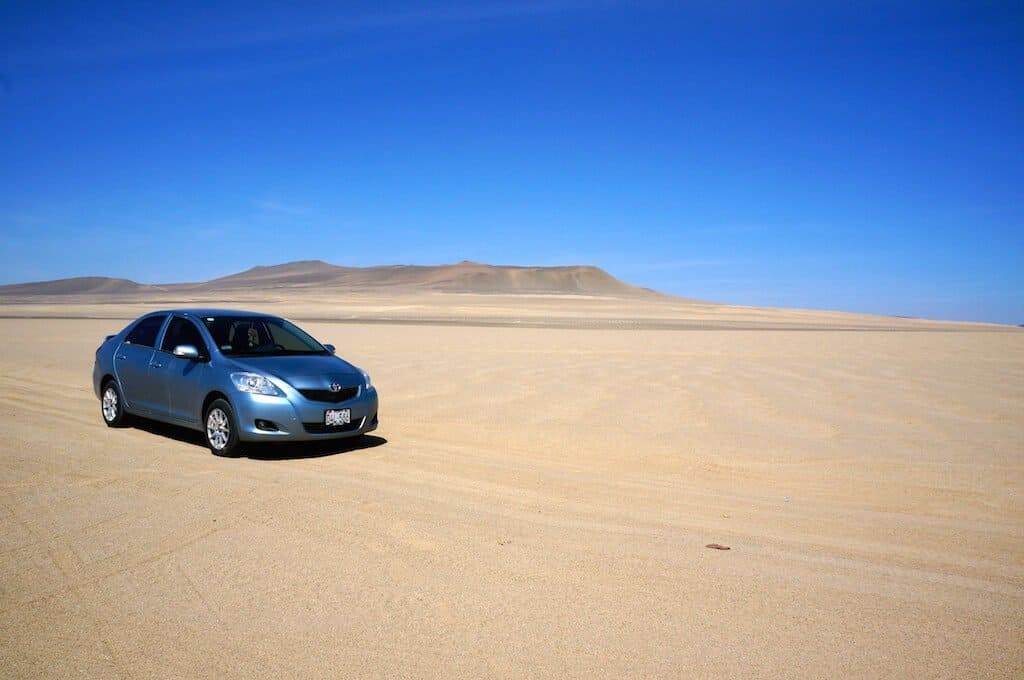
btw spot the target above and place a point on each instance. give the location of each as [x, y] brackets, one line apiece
[717, 546]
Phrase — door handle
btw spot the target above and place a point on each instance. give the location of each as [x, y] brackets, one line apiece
[155, 365]
[122, 356]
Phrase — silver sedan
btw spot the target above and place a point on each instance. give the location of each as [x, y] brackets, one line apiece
[235, 376]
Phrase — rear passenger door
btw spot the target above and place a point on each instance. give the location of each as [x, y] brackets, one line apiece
[132, 365]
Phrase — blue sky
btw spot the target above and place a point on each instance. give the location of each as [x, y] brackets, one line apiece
[862, 156]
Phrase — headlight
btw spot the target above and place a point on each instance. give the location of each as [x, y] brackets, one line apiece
[366, 380]
[254, 383]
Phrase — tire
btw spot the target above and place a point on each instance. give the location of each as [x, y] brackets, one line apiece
[221, 429]
[112, 405]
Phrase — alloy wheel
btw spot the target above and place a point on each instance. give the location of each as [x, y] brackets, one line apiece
[109, 404]
[218, 428]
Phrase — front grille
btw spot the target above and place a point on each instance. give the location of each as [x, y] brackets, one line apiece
[329, 397]
[320, 428]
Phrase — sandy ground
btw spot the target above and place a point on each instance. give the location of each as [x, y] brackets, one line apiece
[536, 503]
[500, 310]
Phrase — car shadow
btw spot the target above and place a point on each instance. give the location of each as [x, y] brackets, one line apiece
[318, 449]
[260, 451]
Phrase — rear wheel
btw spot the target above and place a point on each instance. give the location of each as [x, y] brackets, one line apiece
[112, 405]
[221, 431]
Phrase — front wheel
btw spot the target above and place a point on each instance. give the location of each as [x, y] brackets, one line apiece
[112, 405]
[221, 431]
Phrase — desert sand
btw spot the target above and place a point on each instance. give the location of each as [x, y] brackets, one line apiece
[536, 502]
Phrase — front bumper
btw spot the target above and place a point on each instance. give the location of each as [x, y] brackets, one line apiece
[299, 419]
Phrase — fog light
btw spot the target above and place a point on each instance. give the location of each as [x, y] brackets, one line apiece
[266, 425]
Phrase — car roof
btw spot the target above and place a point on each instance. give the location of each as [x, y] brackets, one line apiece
[209, 311]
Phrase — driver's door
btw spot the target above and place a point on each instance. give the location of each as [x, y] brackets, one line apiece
[183, 379]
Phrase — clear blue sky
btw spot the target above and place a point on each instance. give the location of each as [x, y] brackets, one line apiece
[863, 156]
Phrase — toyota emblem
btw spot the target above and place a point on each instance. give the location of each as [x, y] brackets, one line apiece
[335, 387]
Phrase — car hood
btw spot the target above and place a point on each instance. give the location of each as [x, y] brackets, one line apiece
[313, 372]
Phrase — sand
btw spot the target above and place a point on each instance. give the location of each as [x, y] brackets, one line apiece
[536, 502]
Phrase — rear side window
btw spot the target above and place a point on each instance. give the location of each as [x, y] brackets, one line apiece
[145, 331]
[183, 332]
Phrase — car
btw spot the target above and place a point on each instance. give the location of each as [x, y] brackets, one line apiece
[238, 377]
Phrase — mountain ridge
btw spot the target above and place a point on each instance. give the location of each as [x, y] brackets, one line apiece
[462, 277]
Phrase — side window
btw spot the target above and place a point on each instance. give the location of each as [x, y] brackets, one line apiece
[183, 332]
[145, 332]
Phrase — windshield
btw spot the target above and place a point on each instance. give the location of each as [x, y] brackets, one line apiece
[258, 336]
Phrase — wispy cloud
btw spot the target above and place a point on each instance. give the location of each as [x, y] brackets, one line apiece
[216, 230]
[13, 223]
[476, 12]
[729, 229]
[275, 29]
[685, 263]
[272, 208]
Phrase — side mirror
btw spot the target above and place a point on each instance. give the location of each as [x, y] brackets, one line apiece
[330, 348]
[187, 352]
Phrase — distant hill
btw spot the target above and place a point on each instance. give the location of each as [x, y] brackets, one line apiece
[468, 277]
[82, 285]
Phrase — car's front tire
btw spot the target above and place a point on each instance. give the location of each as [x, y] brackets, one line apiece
[112, 405]
[221, 429]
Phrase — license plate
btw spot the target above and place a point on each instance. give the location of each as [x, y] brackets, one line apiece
[337, 416]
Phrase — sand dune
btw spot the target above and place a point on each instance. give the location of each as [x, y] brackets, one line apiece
[536, 502]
